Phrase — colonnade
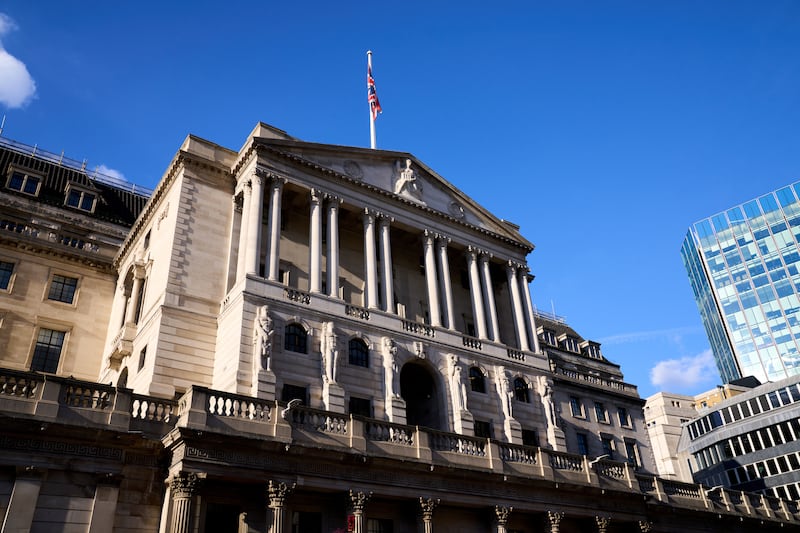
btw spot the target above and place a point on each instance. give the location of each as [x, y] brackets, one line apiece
[378, 262]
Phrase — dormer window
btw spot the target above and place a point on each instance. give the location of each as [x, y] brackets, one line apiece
[80, 198]
[547, 336]
[568, 343]
[591, 349]
[22, 181]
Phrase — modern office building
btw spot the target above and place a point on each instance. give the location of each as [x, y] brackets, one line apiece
[301, 337]
[743, 265]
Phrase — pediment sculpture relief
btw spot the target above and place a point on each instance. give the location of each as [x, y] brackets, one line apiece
[406, 182]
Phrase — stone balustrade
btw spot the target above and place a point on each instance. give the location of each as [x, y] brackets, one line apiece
[64, 400]
[597, 381]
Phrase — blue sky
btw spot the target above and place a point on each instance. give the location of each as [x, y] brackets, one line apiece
[604, 129]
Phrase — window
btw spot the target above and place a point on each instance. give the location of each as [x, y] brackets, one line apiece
[600, 412]
[482, 429]
[379, 525]
[47, 353]
[631, 453]
[293, 392]
[146, 244]
[23, 182]
[80, 199]
[306, 522]
[530, 437]
[6, 270]
[608, 445]
[358, 353]
[521, 390]
[360, 406]
[583, 443]
[477, 382]
[142, 357]
[622, 414]
[576, 406]
[295, 338]
[62, 289]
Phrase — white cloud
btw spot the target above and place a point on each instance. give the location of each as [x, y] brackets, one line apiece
[686, 373]
[17, 87]
[102, 169]
[673, 334]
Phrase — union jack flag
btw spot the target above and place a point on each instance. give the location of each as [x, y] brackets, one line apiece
[372, 95]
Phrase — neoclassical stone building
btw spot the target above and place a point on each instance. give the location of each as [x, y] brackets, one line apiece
[310, 338]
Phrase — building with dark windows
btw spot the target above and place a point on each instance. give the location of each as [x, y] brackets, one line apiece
[743, 267]
[749, 441]
[306, 338]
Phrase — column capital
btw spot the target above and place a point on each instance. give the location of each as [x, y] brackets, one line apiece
[555, 517]
[277, 492]
[277, 182]
[184, 485]
[442, 240]
[358, 500]
[333, 200]
[429, 235]
[645, 526]
[502, 514]
[384, 219]
[602, 523]
[428, 506]
[316, 195]
[368, 213]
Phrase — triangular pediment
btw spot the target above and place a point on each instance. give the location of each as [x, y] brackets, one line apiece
[398, 174]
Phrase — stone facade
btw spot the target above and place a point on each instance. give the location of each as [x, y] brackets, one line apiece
[304, 338]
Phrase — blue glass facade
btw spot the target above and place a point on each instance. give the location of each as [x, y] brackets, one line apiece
[744, 268]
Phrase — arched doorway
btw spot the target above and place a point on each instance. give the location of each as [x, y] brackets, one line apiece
[418, 388]
[122, 382]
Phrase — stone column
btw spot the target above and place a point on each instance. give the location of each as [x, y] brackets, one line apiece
[430, 278]
[603, 523]
[555, 521]
[315, 243]
[502, 514]
[358, 501]
[254, 217]
[475, 292]
[24, 499]
[243, 226]
[277, 494]
[386, 263]
[428, 506]
[333, 245]
[524, 280]
[516, 306]
[274, 240]
[104, 506]
[370, 261]
[446, 286]
[133, 301]
[488, 296]
[183, 488]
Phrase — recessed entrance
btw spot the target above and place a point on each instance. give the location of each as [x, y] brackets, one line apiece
[418, 389]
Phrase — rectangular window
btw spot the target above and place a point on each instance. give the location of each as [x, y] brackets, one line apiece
[622, 414]
[81, 200]
[47, 352]
[530, 437]
[576, 406]
[22, 182]
[142, 357]
[631, 452]
[583, 443]
[62, 289]
[379, 525]
[306, 522]
[608, 446]
[360, 406]
[600, 412]
[6, 269]
[293, 392]
[482, 429]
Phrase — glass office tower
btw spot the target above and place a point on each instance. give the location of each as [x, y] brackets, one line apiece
[744, 268]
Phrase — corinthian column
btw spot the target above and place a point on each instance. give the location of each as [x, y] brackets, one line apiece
[603, 523]
[475, 292]
[273, 244]
[386, 263]
[447, 290]
[526, 300]
[370, 262]
[183, 488]
[254, 215]
[333, 245]
[428, 506]
[502, 517]
[315, 243]
[358, 501]
[555, 521]
[516, 306]
[243, 227]
[430, 278]
[277, 494]
[488, 297]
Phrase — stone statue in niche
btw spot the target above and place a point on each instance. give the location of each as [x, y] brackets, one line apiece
[504, 391]
[405, 180]
[547, 401]
[458, 389]
[330, 353]
[262, 338]
[390, 368]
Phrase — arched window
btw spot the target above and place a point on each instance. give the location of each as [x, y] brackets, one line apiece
[295, 338]
[358, 352]
[477, 382]
[521, 390]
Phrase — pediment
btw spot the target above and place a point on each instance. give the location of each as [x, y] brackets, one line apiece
[401, 175]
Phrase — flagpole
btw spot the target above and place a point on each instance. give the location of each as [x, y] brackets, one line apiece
[372, 142]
